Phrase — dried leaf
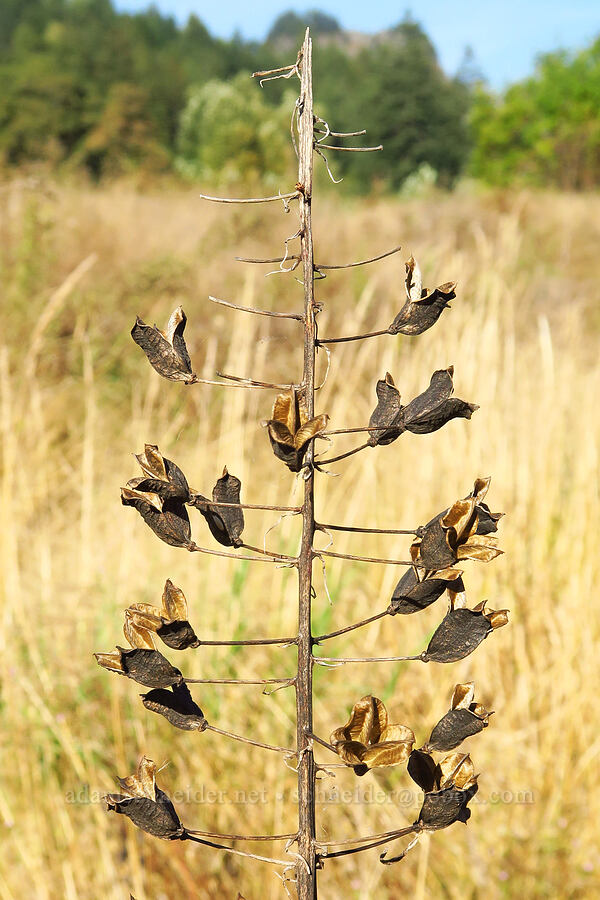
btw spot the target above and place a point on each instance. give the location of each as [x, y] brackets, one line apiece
[166, 352]
[386, 413]
[177, 706]
[411, 595]
[226, 523]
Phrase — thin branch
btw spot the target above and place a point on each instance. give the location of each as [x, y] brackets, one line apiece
[250, 382]
[340, 133]
[385, 840]
[257, 312]
[272, 259]
[289, 681]
[351, 149]
[281, 557]
[362, 262]
[194, 548]
[188, 836]
[353, 337]
[291, 509]
[245, 740]
[292, 195]
[322, 462]
[357, 430]
[365, 839]
[323, 743]
[258, 642]
[329, 172]
[371, 559]
[242, 383]
[332, 634]
[266, 72]
[358, 530]
[242, 837]
[400, 857]
[342, 660]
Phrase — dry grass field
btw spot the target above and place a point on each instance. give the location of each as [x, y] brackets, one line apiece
[77, 398]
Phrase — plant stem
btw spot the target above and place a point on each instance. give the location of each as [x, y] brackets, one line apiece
[332, 634]
[245, 740]
[364, 530]
[385, 840]
[189, 836]
[306, 875]
[362, 262]
[342, 660]
[371, 559]
[239, 680]
[256, 642]
[241, 837]
[322, 462]
[353, 337]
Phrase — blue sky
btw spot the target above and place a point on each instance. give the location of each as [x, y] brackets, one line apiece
[506, 35]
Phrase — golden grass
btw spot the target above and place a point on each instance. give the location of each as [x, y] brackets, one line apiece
[77, 398]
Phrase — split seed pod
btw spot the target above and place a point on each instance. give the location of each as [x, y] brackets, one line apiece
[368, 741]
[177, 706]
[160, 496]
[143, 663]
[170, 622]
[462, 630]
[464, 718]
[422, 308]
[461, 532]
[290, 429]
[145, 804]
[448, 787]
[434, 407]
[166, 350]
[387, 413]
[414, 592]
[226, 523]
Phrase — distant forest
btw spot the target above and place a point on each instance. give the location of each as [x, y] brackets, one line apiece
[83, 87]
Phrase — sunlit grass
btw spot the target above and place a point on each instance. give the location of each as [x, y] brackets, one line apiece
[77, 398]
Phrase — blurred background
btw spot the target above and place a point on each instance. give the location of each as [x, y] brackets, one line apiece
[113, 118]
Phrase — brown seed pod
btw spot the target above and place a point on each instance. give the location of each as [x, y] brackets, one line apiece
[166, 350]
[369, 741]
[422, 308]
[226, 523]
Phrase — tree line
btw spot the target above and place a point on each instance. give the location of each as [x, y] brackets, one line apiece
[83, 86]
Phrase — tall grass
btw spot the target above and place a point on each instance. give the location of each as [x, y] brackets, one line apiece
[77, 398]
